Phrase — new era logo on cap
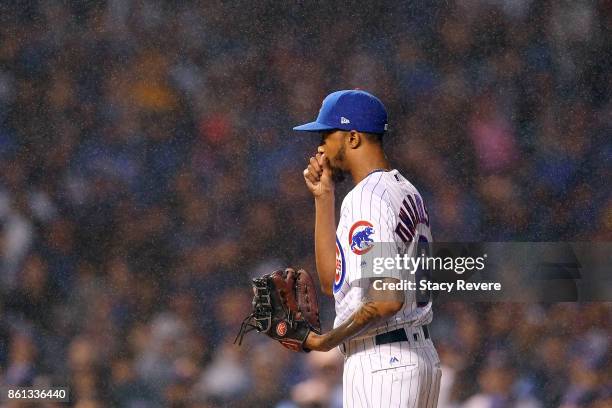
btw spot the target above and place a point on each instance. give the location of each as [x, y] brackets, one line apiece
[367, 113]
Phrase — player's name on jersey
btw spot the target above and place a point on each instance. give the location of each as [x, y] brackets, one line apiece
[426, 285]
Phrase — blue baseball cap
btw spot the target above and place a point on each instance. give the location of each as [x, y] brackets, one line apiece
[351, 109]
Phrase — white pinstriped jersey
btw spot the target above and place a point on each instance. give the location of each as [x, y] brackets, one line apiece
[383, 207]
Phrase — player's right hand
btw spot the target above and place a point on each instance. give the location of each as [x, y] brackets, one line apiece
[318, 176]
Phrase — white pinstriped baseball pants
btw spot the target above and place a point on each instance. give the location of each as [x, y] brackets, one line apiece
[401, 374]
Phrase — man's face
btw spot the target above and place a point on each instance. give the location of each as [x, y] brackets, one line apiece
[333, 144]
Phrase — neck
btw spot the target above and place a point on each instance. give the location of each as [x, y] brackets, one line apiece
[368, 164]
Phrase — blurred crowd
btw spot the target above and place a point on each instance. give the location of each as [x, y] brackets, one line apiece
[148, 170]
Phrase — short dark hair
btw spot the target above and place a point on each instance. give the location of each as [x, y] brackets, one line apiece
[375, 137]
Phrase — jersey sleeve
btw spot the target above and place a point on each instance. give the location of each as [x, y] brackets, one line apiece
[371, 236]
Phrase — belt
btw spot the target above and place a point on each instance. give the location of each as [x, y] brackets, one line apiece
[398, 335]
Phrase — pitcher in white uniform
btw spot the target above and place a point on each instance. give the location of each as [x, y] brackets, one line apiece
[390, 360]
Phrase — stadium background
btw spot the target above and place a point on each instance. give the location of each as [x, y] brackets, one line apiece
[148, 169]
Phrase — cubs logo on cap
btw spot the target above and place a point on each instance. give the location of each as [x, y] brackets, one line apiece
[360, 237]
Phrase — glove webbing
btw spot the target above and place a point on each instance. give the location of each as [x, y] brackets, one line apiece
[261, 318]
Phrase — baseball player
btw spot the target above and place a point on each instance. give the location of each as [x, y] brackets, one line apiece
[390, 360]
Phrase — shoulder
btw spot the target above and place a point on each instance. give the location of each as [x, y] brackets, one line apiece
[407, 185]
[375, 187]
[347, 201]
[369, 199]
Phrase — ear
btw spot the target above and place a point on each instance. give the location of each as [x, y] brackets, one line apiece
[355, 139]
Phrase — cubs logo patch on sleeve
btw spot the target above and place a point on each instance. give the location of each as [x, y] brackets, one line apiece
[340, 267]
[360, 237]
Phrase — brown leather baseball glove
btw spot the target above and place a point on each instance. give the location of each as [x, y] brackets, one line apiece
[285, 308]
